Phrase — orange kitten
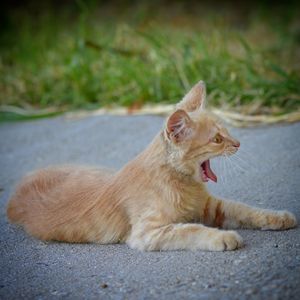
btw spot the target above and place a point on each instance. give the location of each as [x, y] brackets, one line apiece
[158, 201]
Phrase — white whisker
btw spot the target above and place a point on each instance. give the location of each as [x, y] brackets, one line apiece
[248, 155]
[232, 166]
[245, 164]
[222, 171]
[224, 175]
[226, 168]
[236, 164]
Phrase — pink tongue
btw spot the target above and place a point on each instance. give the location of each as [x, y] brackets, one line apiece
[208, 172]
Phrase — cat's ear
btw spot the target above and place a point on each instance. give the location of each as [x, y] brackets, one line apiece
[179, 126]
[194, 99]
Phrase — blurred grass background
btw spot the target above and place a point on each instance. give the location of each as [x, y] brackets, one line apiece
[67, 55]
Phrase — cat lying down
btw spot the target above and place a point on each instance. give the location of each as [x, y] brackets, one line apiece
[158, 201]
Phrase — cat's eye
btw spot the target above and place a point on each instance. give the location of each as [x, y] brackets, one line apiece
[217, 139]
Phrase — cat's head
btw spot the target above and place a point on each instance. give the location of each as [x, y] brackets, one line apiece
[194, 136]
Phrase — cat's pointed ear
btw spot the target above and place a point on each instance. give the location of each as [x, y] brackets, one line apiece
[179, 126]
[194, 99]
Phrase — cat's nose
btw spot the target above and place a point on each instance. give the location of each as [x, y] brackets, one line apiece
[236, 144]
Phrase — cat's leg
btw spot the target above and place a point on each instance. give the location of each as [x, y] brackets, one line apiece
[231, 215]
[151, 237]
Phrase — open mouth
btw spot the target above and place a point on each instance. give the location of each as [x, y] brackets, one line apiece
[206, 172]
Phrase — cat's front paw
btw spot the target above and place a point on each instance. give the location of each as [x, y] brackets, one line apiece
[280, 220]
[226, 240]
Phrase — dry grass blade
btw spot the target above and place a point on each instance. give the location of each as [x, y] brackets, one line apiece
[232, 118]
[13, 113]
[241, 120]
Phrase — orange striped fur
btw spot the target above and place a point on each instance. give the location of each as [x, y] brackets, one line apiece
[158, 201]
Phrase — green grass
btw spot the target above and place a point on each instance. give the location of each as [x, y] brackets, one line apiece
[89, 56]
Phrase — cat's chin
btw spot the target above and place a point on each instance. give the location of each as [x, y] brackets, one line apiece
[206, 172]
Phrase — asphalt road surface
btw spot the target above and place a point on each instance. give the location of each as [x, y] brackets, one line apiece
[266, 174]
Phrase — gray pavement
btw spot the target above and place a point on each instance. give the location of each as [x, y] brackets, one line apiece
[268, 267]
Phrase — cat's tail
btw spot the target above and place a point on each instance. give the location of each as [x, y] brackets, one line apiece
[15, 212]
[31, 191]
[62, 203]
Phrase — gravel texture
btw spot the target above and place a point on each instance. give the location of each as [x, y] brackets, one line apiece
[266, 174]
